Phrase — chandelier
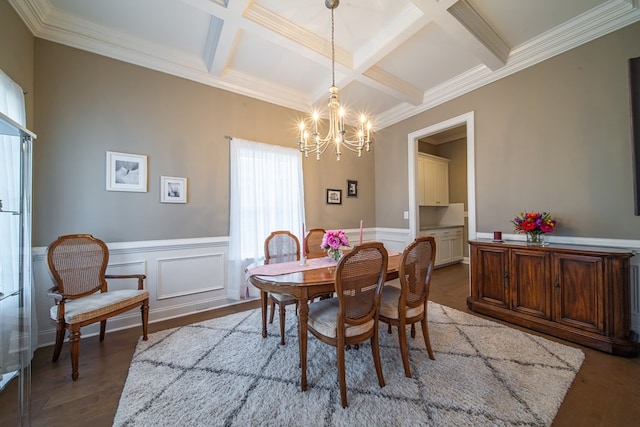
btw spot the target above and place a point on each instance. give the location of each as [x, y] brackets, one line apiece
[310, 141]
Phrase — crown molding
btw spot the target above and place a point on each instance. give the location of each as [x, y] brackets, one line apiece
[602, 20]
[47, 23]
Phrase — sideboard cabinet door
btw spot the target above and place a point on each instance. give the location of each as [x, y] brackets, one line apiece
[492, 273]
[530, 277]
[579, 294]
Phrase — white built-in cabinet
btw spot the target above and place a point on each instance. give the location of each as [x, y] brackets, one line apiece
[449, 244]
[433, 180]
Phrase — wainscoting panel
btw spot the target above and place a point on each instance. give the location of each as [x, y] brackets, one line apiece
[189, 275]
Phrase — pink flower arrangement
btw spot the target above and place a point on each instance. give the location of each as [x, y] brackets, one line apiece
[334, 239]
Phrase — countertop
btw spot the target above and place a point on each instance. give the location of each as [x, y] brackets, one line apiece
[438, 226]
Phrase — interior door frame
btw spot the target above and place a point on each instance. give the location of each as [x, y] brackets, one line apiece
[412, 139]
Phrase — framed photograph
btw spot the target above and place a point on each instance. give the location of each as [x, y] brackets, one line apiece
[352, 188]
[334, 197]
[173, 189]
[126, 172]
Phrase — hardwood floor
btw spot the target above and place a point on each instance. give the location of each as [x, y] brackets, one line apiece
[606, 390]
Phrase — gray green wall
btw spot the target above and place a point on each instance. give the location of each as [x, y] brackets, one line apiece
[16, 53]
[553, 137]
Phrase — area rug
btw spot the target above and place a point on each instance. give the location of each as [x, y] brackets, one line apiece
[221, 372]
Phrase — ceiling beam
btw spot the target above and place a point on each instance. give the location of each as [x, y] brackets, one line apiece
[460, 20]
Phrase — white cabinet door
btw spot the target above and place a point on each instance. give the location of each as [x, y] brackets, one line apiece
[457, 245]
[440, 182]
[449, 244]
[433, 180]
[444, 247]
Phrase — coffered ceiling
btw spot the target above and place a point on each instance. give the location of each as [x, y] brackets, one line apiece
[394, 58]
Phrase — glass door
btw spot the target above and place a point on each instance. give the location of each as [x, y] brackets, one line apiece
[15, 272]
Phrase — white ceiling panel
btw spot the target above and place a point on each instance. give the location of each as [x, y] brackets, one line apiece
[518, 21]
[394, 58]
[168, 23]
[428, 50]
[286, 68]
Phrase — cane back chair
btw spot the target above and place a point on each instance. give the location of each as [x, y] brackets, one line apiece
[312, 241]
[352, 316]
[281, 246]
[404, 300]
[78, 263]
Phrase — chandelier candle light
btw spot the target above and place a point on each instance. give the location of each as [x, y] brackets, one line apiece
[309, 141]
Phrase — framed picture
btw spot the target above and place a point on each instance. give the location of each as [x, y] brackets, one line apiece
[334, 197]
[173, 189]
[126, 172]
[352, 188]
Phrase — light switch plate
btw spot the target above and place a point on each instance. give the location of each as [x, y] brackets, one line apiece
[406, 214]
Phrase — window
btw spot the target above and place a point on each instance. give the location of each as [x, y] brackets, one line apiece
[266, 194]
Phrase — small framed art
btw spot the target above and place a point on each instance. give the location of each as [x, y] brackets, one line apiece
[334, 197]
[352, 188]
[173, 189]
[126, 172]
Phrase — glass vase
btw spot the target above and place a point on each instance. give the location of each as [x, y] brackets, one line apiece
[535, 239]
[334, 254]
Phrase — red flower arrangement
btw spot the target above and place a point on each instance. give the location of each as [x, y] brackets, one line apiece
[534, 223]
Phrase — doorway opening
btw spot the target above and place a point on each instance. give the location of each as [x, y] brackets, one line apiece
[413, 140]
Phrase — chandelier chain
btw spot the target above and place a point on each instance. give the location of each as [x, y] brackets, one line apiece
[310, 140]
[333, 51]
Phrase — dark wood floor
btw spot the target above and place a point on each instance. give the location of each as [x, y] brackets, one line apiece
[606, 391]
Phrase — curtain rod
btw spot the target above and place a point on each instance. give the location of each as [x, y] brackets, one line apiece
[228, 137]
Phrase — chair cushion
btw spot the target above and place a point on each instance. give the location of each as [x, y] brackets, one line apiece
[92, 306]
[389, 304]
[285, 298]
[323, 316]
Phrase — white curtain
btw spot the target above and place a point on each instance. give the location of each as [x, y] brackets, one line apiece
[266, 194]
[12, 105]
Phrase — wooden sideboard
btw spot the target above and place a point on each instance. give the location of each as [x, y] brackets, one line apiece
[577, 293]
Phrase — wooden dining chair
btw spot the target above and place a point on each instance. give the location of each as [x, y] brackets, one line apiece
[78, 263]
[312, 241]
[281, 246]
[352, 317]
[404, 300]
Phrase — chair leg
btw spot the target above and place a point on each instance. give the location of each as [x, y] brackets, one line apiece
[282, 311]
[425, 332]
[375, 350]
[389, 328]
[273, 308]
[74, 346]
[341, 372]
[103, 329]
[404, 350]
[413, 330]
[145, 319]
[60, 330]
[264, 297]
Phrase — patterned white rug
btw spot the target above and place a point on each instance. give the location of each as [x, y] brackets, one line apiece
[221, 372]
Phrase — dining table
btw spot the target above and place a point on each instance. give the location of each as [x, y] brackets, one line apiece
[305, 280]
